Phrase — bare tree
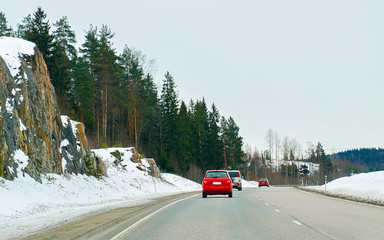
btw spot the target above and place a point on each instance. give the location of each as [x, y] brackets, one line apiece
[277, 147]
[295, 149]
[269, 139]
[285, 144]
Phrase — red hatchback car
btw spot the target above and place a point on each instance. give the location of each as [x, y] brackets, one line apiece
[263, 182]
[217, 182]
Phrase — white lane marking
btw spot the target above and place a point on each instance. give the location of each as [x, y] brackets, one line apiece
[149, 216]
[277, 210]
[267, 204]
[298, 223]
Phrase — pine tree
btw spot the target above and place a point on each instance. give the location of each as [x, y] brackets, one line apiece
[107, 74]
[64, 54]
[4, 29]
[90, 51]
[83, 92]
[224, 139]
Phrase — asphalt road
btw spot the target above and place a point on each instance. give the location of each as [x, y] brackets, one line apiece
[254, 213]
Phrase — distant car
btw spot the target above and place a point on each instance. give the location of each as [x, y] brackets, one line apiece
[263, 182]
[217, 182]
[236, 179]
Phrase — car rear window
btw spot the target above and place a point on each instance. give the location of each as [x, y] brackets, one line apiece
[234, 174]
[216, 175]
[263, 179]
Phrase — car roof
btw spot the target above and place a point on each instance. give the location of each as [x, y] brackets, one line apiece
[232, 170]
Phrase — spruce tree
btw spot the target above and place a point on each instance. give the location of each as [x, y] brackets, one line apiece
[200, 117]
[37, 31]
[214, 149]
[183, 135]
[169, 109]
[235, 143]
[4, 29]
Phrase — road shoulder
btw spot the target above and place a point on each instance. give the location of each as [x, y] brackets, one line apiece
[107, 224]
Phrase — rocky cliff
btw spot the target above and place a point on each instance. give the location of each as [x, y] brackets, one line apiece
[34, 138]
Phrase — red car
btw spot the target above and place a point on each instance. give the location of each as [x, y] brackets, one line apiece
[217, 182]
[263, 182]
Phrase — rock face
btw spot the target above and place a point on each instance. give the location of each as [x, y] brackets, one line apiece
[33, 139]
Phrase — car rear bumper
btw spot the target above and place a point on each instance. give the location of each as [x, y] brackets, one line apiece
[217, 189]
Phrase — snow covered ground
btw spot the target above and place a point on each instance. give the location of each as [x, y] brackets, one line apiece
[363, 186]
[27, 206]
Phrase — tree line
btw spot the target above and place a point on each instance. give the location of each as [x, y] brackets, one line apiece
[117, 99]
[284, 161]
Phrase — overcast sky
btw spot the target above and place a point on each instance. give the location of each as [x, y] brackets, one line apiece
[309, 70]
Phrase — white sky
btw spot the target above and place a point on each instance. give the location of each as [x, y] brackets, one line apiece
[310, 70]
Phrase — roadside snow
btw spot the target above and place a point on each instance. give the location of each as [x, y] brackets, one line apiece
[249, 184]
[368, 186]
[28, 206]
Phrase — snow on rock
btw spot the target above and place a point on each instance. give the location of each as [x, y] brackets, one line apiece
[364, 185]
[22, 126]
[13, 48]
[22, 160]
[64, 120]
[28, 206]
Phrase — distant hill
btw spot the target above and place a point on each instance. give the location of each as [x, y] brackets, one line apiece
[372, 158]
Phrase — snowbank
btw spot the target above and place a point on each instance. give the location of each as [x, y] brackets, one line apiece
[249, 184]
[368, 186]
[28, 206]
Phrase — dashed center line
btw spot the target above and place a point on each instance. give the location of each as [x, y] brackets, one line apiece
[277, 210]
[267, 204]
[298, 223]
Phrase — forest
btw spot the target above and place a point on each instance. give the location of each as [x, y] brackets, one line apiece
[364, 159]
[116, 97]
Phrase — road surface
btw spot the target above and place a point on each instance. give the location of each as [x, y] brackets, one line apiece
[254, 213]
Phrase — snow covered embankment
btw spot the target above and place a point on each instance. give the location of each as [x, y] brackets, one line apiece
[364, 187]
[28, 206]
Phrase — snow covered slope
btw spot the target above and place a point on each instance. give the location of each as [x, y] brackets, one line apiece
[28, 206]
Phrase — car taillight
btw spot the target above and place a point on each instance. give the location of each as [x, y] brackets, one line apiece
[205, 182]
[229, 181]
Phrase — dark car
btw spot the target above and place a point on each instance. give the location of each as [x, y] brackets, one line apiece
[263, 182]
[217, 182]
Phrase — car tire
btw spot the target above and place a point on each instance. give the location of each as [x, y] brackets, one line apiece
[204, 195]
[230, 194]
[240, 188]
